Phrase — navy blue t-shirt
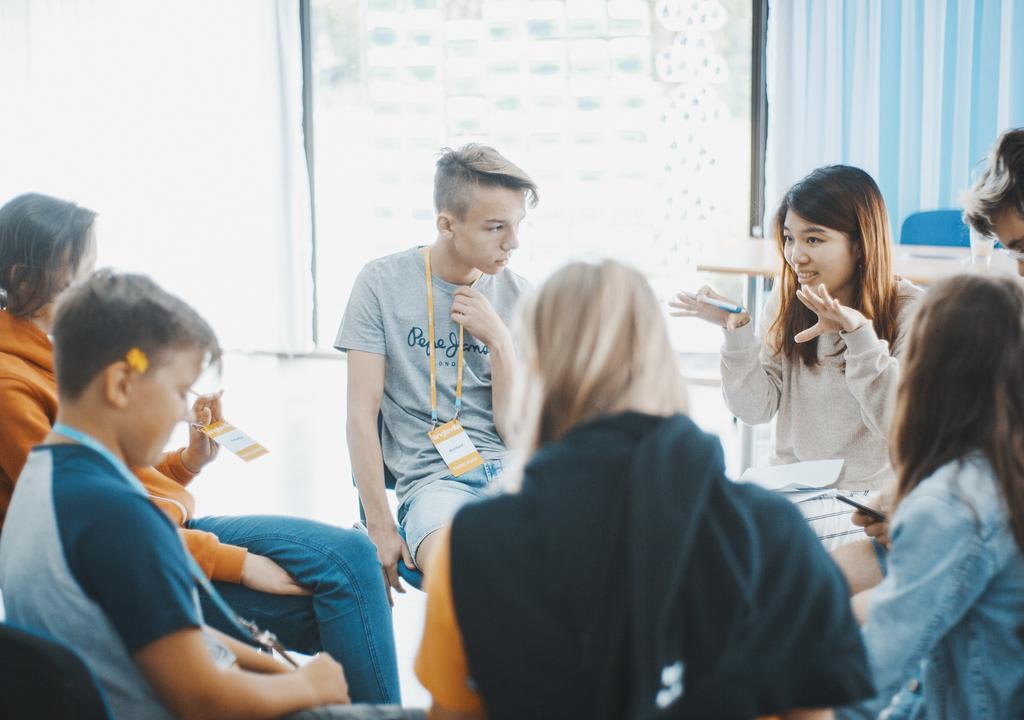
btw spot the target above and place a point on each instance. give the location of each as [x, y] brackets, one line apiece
[86, 558]
[125, 554]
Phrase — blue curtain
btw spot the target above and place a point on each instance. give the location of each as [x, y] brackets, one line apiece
[912, 91]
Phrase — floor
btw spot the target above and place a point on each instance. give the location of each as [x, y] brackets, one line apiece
[296, 408]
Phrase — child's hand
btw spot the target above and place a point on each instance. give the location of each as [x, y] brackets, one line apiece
[833, 316]
[202, 450]
[686, 306]
[263, 574]
[327, 680]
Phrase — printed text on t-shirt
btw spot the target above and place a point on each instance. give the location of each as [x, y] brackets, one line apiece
[450, 347]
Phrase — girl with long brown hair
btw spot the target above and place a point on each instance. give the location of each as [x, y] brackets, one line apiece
[827, 367]
[944, 627]
[994, 206]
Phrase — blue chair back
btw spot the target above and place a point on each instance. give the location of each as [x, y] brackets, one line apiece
[935, 227]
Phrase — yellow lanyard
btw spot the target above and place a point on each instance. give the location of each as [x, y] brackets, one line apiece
[433, 361]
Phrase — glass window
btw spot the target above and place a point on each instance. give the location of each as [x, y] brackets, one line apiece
[632, 116]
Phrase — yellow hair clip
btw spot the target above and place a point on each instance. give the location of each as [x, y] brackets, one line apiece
[137, 360]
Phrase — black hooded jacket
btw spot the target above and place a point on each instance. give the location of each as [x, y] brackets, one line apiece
[629, 578]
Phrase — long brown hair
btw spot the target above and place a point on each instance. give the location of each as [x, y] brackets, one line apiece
[592, 341]
[962, 386]
[846, 199]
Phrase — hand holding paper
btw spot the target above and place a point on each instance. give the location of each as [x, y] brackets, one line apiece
[228, 436]
[201, 449]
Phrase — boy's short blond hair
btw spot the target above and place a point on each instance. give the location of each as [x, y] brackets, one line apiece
[473, 165]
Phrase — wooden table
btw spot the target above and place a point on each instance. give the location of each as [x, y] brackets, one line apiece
[758, 260]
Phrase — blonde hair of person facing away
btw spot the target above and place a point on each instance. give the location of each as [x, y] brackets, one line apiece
[593, 342]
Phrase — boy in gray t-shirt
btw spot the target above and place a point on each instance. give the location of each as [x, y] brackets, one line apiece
[480, 199]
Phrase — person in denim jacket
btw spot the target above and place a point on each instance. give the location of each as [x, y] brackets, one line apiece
[945, 628]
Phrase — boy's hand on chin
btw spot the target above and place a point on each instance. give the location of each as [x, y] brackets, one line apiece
[472, 308]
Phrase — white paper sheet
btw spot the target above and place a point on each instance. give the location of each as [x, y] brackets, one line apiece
[796, 477]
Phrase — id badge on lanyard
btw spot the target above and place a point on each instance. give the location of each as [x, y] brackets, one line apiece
[450, 439]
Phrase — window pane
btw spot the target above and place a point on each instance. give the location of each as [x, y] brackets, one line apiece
[632, 116]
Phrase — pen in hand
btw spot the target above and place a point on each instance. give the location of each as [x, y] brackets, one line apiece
[728, 307]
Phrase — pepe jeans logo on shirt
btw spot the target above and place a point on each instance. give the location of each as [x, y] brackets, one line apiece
[447, 348]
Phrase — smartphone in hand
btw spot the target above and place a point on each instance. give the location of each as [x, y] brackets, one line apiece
[869, 511]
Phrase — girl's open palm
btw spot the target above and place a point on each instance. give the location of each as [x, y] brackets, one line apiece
[833, 316]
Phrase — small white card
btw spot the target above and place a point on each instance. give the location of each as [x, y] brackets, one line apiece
[455, 447]
[795, 477]
[234, 440]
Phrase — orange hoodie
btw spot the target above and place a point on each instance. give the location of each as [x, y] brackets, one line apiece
[28, 409]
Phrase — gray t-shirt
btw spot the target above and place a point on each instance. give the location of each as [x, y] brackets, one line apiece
[387, 315]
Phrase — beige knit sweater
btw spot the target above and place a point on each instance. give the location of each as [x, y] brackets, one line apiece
[823, 411]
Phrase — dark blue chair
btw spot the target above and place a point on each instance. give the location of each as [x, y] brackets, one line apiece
[935, 227]
[413, 577]
[40, 678]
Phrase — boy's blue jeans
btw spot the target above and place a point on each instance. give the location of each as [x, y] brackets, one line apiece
[347, 614]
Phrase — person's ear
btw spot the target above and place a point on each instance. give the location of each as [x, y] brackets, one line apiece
[13, 281]
[118, 380]
[858, 254]
[445, 225]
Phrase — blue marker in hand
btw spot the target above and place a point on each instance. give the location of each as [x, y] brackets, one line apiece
[728, 307]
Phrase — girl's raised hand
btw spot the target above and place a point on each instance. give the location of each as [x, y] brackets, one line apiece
[685, 306]
[833, 316]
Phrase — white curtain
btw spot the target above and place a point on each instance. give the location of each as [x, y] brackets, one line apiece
[912, 91]
[180, 123]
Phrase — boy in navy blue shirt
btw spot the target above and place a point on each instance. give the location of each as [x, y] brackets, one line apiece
[88, 559]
